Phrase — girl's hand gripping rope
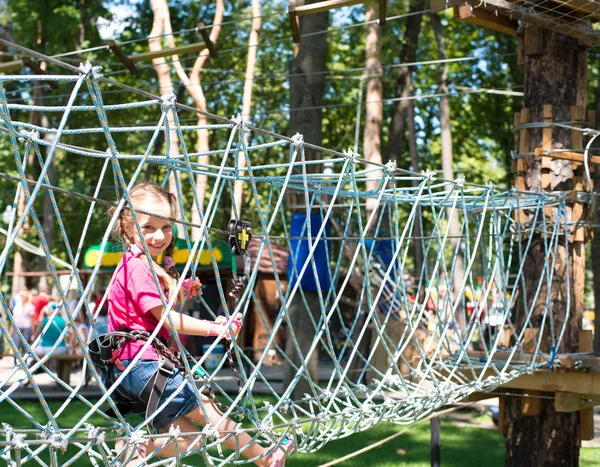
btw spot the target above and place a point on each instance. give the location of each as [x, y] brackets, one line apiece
[192, 287]
[221, 324]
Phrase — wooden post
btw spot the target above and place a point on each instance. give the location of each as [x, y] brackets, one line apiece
[435, 442]
[554, 75]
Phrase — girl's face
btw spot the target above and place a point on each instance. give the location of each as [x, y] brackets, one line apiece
[157, 233]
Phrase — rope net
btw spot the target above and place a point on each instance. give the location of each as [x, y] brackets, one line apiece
[363, 331]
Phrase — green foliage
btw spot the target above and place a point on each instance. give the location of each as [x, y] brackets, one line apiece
[481, 123]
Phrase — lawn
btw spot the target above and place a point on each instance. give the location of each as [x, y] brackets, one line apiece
[465, 445]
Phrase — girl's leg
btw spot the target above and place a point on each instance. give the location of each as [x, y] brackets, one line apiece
[249, 448]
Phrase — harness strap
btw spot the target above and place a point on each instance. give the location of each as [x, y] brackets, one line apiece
[150, 395]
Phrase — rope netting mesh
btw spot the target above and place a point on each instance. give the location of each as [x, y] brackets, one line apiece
[369, 336]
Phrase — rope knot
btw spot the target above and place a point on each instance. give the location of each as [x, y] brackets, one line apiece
[175, 431]
[28, 135]
[18, 441]
[297, 140]
[94, 433]
[168, 101]
[429, 174]
[210, 432]
[137, 437]
[59, 441]
[460, 181]
[242, 123]
[350, 154]
[390, 167]
[89, 69]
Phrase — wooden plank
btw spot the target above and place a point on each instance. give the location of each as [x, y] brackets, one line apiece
[294, 22]
[567, 156]
[573, 402]
[382, 12]
[501, 410]
[539, 18]
[532, 406]
[530, 338]
[212, 51]
[567, 381]
[589, 7]
[123, 58]
[440, 5]
[11, 66]
[480, 396]
[487, 19]
[586, 341]
[533, 44]
[183, 49]
[577, 115]
[326, 6]
[524, 141]
[586, 424]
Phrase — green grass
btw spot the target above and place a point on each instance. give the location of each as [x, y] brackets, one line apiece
[460, 446]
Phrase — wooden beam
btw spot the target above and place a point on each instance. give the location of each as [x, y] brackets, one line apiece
[327, 5]
[586, 341]
[440, 5]
[590, 7]
[551, 381]
[11, 66]
[533, 41]
[532, 406]
[486, 19]
[212, 51]
[382, 12]
[573, 402]
[586, 424]
[294, 22]
[183, 49]
[122, 57]
[539, 18]
[567, 156]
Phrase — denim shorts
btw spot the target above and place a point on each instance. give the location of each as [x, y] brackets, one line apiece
[133, 384]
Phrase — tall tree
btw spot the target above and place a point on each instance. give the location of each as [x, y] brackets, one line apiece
[447, 165]
[238, 189]
[374, 103]
[403, 111]
[556, 77]
[408, 54]
[307, 87]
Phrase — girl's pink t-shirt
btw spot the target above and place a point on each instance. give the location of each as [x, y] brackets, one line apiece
[132, 295]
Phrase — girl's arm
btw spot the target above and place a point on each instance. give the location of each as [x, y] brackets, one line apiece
[191, 326]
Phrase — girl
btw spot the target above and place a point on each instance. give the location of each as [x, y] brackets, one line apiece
[134, 303]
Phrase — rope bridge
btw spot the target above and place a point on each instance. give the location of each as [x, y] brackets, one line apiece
[390, 337]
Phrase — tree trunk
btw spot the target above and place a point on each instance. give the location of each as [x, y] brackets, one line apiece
[238, 188]
[448, 171]
[403, 110]
[161, 25]
[395, 145]
[558, 78]
[48, 219]
[374, 105]
[307, 87]
[596, 241]
[194, 87]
